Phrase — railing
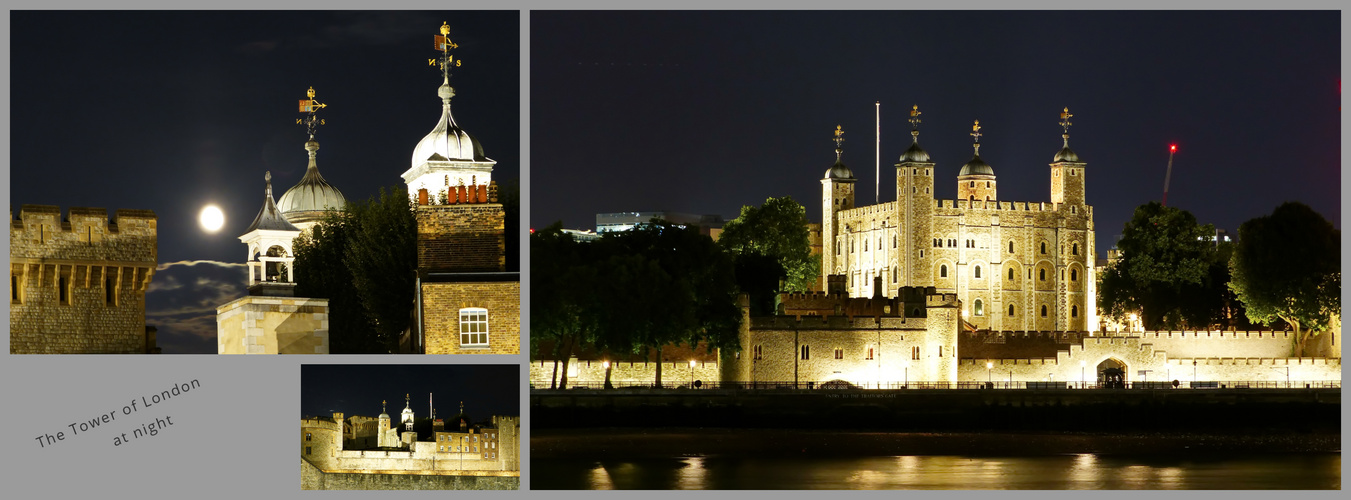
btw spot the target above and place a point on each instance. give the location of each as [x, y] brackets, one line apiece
[920, 385]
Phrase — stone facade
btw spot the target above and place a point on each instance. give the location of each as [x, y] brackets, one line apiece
[256, 324]
[1015, 265]
[77, 284]
[322, 447]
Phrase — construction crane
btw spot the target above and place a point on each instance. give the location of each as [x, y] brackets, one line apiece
[1171, 150]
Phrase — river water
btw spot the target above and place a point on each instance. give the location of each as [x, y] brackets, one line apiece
[1082, 471]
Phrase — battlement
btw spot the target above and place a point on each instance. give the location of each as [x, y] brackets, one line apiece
[1219, 334]
[325, 423]
[941, 300]
[878, 209]
[80, 218]
[789, 322]
[1007, 206]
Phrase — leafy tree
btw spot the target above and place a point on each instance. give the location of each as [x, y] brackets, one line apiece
[562, 285]
[363, 260]
[1288, 265]
[778, 230]
[1165, 256]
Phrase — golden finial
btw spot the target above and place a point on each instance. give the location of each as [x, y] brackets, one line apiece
[975, 132]
[839, 139]
[445, 28]
[1065, 123]
[310, 92]
[914, 122]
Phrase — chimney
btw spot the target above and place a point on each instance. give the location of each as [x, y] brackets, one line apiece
[422, 196]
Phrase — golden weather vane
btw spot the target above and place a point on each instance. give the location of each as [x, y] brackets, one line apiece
[310, 106]
[839, 140]
[1065, 121]
[914, 122]
[975, 132]
[443, 43]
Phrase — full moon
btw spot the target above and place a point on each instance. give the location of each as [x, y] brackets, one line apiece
[212, 218]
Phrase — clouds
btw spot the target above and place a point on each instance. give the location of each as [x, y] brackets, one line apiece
[182, 300]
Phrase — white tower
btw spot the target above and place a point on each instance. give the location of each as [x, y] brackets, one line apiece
[407, 416]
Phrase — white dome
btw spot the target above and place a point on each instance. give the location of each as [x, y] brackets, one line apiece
[447, 142]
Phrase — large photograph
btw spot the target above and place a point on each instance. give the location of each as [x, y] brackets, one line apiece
[1101, 250]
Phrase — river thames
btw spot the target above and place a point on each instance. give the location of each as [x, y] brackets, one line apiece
[754, 459]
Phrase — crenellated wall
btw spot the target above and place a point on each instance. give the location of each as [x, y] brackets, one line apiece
[77, 284]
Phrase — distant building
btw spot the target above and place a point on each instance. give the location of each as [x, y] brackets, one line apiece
[624, 221]
[77, 284]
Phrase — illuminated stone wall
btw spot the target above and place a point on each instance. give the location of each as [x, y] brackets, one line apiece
[321, 445]
[441, 306]
[78, 285]
[272, 325]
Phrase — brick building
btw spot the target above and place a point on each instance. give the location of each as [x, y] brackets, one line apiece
[78, 283]
[466, 301]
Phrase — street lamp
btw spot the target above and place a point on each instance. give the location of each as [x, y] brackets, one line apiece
[1193, 371]
[989, 378]
[1081, 373]
[907, 375]
[691, 373]
[606, 365]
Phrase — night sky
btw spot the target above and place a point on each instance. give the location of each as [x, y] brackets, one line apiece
[171, 111]
[486, 390]
[704, 112]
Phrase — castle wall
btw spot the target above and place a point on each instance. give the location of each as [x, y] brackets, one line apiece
[626, 373]
[441, 304]
[312, 478]
[78, 285]
[272, 325]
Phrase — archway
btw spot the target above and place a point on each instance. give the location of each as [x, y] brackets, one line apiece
[1112, 373]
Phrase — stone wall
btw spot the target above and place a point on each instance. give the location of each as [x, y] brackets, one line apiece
[441, 304]
[272, 325]
[77, 285]
[461, 238]
[312, 478]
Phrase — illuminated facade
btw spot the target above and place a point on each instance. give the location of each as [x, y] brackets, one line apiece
[1014, 265]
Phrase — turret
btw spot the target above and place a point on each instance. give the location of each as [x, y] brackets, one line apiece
[837, 193]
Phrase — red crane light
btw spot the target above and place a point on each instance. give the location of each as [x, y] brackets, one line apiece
[1172, 149]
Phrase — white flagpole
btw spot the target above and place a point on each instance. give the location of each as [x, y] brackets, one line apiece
[877, 154]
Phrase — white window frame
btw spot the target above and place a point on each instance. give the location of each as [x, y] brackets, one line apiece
[473, 327]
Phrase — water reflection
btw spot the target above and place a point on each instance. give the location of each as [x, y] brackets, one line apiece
[1083, 471]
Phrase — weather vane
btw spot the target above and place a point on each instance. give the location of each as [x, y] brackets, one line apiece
[839, 138]
[1065, 123]
[310, 106]
[443, 44]
[914, 122]
[975, 132]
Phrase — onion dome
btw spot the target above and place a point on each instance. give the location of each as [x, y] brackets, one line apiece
[976, 166]
[269, 218]
[312, 193]
[915, 153]
[447, 142]
[1066, 154]
[838, 170]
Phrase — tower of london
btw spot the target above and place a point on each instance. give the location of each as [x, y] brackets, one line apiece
[1014, 265]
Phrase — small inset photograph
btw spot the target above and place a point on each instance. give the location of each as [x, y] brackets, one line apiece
[410, 427]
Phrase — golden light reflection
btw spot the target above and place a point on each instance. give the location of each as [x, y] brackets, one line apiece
[600, 478]
[1085, 473]
[1169, 478]
[692, 476]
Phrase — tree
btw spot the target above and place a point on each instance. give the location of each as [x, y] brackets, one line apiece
[562, 288]
[770, 244]
[363, 260]
[1165, 255]
[1288, 265]
[697, 304]
[321, 273]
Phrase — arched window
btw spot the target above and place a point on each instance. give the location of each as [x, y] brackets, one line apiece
[1043, 248]
[1010, 246]
[1043, 274]
[980, 308]
[473, 327]
[1074, 275]
[977, 271]
[973, 183]
[1010, 274]
[1076, 249]
[1043, 311]
[1010, 310]
[1074, 311]
[943, 271]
